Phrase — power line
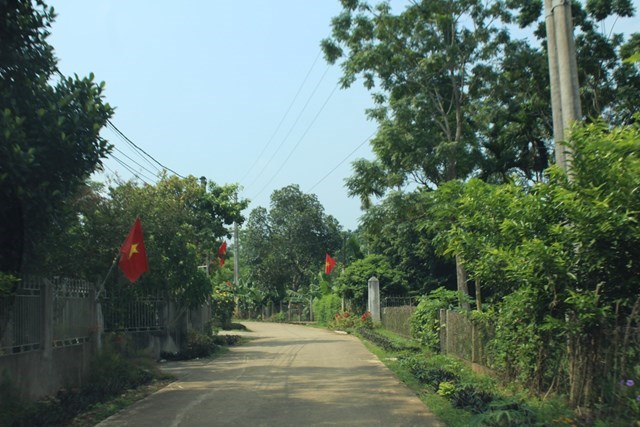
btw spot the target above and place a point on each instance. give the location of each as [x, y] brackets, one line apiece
[343, 160]
[291, 128]
[140, 149]
[283, 117]
[299, 141]
[142, 156]
[124, 154]
[131, 170]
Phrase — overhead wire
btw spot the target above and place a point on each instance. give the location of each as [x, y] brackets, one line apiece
[139, 154]
[299, 141]
[141, 150]
[125, 154]
[304, 81]
[138, 175]
[342, 161]
[291, 128]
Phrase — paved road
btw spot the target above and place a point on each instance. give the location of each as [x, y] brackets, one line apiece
[288, 375]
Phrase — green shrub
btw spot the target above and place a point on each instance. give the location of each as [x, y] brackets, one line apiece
[325, 308]
[346, 321]
[511, 413]
[198, 345]
[222, 307]
[429, 373]
[226, 339]
[470, 398]
[116, 369]
[425, 321]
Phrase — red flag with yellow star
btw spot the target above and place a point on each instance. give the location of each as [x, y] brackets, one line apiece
[133, 255]
[222, 251]
[329, 263]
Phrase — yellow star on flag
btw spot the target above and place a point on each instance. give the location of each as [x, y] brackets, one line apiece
[133, 249]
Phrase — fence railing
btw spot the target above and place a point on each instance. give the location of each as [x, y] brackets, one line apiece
[73, 311]
[21, 318]
[142, 313]
[61, 309]
[464, 338]
[399, 301]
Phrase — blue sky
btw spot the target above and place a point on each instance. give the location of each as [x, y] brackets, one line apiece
[205, 88]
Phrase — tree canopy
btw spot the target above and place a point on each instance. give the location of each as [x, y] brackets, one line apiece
[285, 246]
[50, 141]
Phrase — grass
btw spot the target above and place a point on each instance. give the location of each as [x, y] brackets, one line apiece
[101, 411]
[506, 408]
[440, 406]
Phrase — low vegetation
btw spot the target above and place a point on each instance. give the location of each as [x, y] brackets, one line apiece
[113, 372]
[456, 394]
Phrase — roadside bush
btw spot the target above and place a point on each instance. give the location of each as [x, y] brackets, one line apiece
[325, 308]
[425, 321]
[383, 342]
[113, 371]
[346, 321]
[470, 398]
[198, 345]
[511, 413]
[226, 339]
[222, 306]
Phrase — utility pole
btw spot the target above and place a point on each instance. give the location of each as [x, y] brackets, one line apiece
[563, 75]
[235, 248]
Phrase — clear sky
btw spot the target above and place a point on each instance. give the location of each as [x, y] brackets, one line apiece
[205, 88]
[233, 91]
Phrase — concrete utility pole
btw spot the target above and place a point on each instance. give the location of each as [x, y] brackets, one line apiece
[563, 74]
[235, 249]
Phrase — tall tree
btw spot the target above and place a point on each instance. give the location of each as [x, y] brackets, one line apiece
[50, 140]
[285, 247]
[424, 62]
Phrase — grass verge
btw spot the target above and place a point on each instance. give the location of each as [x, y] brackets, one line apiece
[458, 396]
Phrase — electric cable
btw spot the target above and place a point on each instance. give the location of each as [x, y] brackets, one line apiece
[299, 141]
[124, 154]
[138, 175]
[140, 149]
[283, 117]
[341, 162]
[291, 128]
[142, 156]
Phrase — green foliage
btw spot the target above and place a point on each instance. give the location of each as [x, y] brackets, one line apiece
[325, 308]
[425, 321]
[385, 342]
[8, 283]
[115, 370]
[198, 346]
[279, 317]
[345, 321]
[558, 263]
[392, 228]
[222, 306]
[50, 141]
[470, 398]
[353, 283]
[285, 247]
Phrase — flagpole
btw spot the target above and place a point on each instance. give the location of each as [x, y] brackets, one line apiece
[113, 264]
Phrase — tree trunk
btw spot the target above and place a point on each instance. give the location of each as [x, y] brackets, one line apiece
[478, 296]
[461, 279]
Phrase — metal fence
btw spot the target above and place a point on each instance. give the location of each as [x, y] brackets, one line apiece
[145, 312]
[396, 312]
[399, 301]
[73, 311]
[23, 315]
[464, 338]
[21, 318]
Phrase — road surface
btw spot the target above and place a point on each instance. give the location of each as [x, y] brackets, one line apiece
[287, 375]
